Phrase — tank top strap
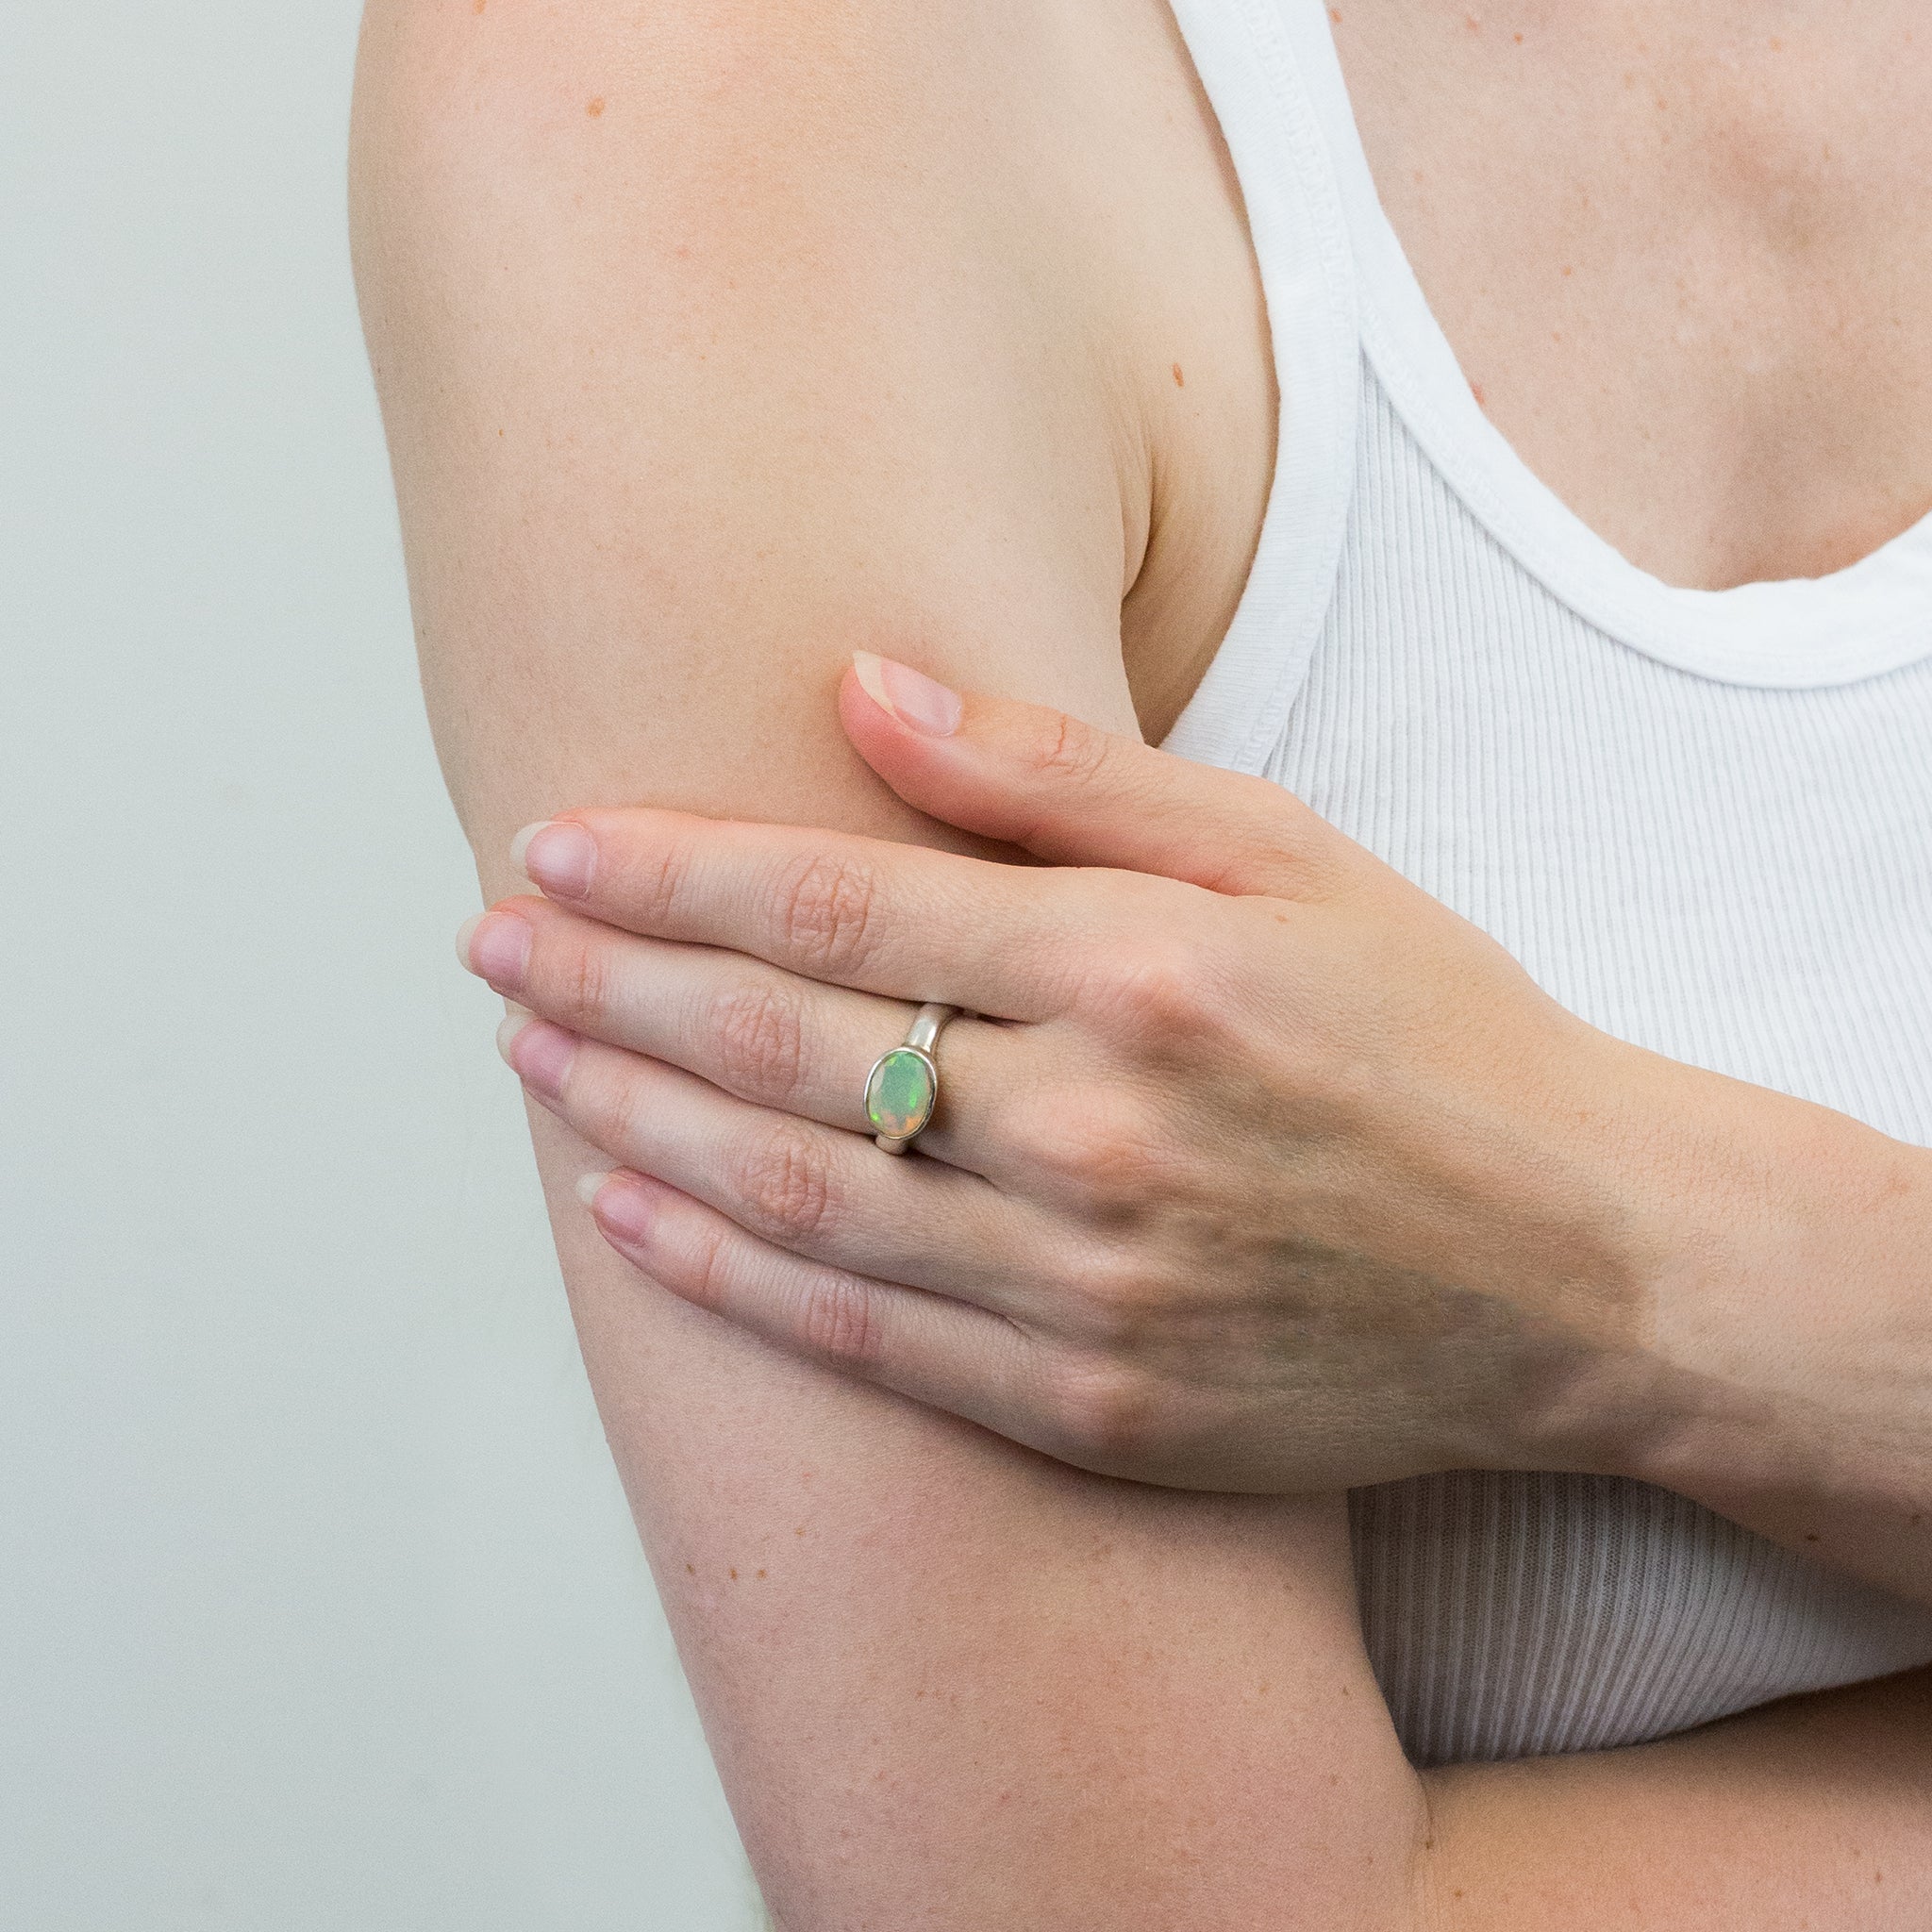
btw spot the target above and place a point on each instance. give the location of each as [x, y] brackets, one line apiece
[1246, 54]
[1290, 115]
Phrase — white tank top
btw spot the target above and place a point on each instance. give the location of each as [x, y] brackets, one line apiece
[1701, 819]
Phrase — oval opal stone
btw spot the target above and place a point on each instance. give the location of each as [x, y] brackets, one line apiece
[899, 1095]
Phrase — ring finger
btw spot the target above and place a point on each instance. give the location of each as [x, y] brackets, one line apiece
[753, 1029]
[809, 1189]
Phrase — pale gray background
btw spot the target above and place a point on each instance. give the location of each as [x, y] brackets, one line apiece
[319, 1610]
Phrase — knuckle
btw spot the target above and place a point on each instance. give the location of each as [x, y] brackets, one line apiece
[576, 981]
[658, 881]
[758, 1034]
[827, 910]
[704, 1266]
[785, 1184]
[1119, 1302]
[1067, 751]
[1159, 991]
[837, 1320]
[1103, 1412]
[611, 1111]
[1096, 1152]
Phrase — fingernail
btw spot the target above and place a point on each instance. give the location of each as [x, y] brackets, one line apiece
[539, 1054]
[559, 854]
[496, 946]
[621, 1206]
[909, 695]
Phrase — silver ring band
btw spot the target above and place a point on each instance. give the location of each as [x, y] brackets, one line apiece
[902, 1087]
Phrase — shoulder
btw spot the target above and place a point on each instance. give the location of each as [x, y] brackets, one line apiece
[950, 255]
[858, 222]
[771, 126]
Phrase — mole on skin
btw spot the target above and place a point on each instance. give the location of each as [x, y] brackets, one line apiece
[595, 108]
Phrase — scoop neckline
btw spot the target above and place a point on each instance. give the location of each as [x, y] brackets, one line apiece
[1869, 618]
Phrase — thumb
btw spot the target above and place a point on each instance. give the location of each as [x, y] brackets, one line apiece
[1065, 791]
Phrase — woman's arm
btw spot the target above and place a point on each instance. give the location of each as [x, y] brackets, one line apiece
[712, 341]
[1814, 1815]
[1297, 1181]
[1799, 1304]
[704, 354]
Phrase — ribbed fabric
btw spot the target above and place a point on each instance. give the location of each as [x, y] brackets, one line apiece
[1703, 821]
[1511, 1616]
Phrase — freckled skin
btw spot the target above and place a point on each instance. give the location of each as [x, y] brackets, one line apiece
[1732, 381]
[679, 409]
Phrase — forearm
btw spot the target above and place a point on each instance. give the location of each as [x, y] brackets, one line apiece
[1787, 1352]
[1812, 1813]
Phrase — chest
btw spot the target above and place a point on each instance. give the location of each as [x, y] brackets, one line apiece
[1684, 256]
[1733, 875]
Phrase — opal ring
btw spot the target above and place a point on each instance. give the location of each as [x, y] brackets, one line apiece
[902, 1088]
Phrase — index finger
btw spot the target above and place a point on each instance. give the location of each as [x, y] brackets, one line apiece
[903, 920]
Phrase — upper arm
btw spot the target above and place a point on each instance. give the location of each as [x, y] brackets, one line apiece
[713, 342]
[709, 350]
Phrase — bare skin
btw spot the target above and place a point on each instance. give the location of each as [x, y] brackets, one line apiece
[713, 342]
[1683, 253]
[1416, 1252]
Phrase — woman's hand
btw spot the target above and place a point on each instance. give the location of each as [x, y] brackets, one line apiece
[1258, 1169]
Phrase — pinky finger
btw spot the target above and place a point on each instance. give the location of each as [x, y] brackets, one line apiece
[946, 1354]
